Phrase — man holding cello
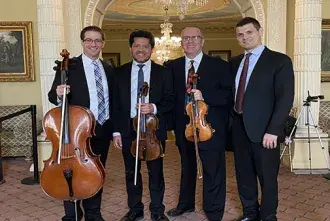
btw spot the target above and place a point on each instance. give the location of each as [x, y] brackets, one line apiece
[214, 88]
[89, 85]
[157, 93]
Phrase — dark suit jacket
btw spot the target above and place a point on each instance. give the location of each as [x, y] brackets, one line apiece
[215, 83]
[79, 94]
[160, 94]
[269, 95]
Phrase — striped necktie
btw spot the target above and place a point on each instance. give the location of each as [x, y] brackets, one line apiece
[101, 118]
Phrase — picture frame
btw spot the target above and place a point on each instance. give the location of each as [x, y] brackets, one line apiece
[16, 51]
[223, 54]
[325, 48]
[113, 59]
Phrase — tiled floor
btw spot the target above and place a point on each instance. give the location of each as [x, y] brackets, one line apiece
[302, 197]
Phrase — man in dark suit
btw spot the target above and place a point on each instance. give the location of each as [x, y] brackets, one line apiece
[214, 87]
[264, 92]
[159, 101]
[89, 85]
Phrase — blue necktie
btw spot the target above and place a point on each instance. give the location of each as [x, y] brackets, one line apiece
[101, 118]
[140, 80]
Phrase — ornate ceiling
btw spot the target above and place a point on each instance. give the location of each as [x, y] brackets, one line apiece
[217, 17]
[149, 11]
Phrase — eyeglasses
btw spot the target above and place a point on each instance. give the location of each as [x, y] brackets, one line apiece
[193, 38]
[90, 41]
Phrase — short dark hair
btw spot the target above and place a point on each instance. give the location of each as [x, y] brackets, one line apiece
[142, 34]
[91, 28]
[248, 20]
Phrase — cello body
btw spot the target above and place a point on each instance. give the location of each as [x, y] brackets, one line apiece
[87, 171]
[73, 171]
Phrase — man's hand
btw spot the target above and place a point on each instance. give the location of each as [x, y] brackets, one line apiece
[197, 95]
[269, 141]
[60, 90]
[117, 142]
[146, 108]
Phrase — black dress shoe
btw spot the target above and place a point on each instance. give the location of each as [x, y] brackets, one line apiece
[244, 218]
[159, 217]
[270, 218]
[94, 218]
[132, 216]
[178, 212]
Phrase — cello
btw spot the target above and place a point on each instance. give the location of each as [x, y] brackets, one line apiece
[145, 147]
[72, 172]
[198, 130]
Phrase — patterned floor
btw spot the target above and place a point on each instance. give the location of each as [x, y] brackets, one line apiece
[302, 197]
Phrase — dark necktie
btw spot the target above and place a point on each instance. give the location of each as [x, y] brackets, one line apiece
[241, 85]
[101, 118]
[140, 80]
[191, 71]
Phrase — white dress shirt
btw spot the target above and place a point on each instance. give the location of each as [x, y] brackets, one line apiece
[91, 83]
[255, 55]
[134, 84]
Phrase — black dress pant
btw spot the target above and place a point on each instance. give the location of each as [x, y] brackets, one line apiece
[212, 155]
[156, 181]
[92, 206]
[252, 162]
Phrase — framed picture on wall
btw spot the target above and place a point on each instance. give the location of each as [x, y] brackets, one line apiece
[16, 51]
[325, 49]
[113, 59]
[223, 54]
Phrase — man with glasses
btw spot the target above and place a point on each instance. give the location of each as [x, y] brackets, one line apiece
[214, 88]
[89, 85]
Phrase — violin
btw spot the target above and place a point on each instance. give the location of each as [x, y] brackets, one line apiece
[197, 110]
[72, 172]
[145, 147]
[198, 129]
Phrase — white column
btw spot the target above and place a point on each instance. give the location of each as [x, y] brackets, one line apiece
[307, 53]
[72, 26]
[51, 42]
[276, 25]
[307, 66]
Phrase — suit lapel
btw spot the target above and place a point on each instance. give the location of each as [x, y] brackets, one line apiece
[107, 74]
[127, 82]
[181, 72]
[202, 68]
[153, 81]
[260, 65]
[82, 78]
[236, 62]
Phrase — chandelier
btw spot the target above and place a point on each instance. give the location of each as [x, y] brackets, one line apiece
[166, 43]
[182, 5]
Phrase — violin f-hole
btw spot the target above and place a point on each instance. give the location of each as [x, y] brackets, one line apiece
[68, 177]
